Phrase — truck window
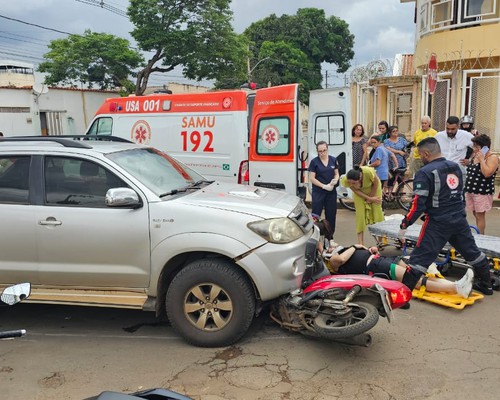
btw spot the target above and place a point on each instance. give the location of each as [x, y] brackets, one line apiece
[101, 126]
[14, 180]
[330, 128]
[74, 182]
[274, 136]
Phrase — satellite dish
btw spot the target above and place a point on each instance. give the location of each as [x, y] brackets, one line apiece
[40, 88]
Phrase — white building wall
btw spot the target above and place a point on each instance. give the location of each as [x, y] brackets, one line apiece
[76, 108]
[15, 121]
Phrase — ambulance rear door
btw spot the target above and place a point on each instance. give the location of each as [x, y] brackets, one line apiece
[273, 152]
[330, 120]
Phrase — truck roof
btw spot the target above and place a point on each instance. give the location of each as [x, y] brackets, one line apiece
[78, 143]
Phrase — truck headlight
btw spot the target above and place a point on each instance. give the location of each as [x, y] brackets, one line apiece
[277, 230]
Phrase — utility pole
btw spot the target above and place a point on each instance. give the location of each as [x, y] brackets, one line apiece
[249, 72]
[326, 79]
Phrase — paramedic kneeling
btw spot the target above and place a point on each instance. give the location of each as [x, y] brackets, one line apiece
[438, 193]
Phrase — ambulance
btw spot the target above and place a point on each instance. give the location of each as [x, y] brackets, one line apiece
[330, 119]
[248, 137]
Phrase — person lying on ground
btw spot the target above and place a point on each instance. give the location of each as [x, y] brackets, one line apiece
[358, 259]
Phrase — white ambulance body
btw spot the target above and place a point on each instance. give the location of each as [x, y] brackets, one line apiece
[330, 120]
[232, 136]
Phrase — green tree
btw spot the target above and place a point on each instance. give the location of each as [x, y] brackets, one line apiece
[194, 34]
[318, 38]
[95, 59]
[282, 63]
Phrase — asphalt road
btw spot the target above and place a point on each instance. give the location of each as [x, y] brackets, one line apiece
[428, 352]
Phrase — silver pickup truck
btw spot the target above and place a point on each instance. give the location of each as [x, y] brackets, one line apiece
[106, 223]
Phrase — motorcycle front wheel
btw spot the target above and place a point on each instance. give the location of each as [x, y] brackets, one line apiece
[362, 318]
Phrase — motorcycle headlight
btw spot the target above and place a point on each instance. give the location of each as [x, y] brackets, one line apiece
[277, 230]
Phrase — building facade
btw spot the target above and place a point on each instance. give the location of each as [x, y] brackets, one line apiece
[464, 36]
[28, 108]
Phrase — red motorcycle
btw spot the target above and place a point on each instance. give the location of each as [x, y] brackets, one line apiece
[339, 307]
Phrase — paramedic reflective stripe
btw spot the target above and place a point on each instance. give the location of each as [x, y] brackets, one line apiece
[412, 209]
[437, 188]
[422, 231]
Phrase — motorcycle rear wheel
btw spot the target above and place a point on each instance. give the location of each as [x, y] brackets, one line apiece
[364, 316]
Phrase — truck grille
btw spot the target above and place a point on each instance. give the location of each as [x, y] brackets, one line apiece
[301, 216]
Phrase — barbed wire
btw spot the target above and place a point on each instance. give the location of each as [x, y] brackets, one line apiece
[454, 60]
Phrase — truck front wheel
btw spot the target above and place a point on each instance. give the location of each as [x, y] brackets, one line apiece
[210, 303]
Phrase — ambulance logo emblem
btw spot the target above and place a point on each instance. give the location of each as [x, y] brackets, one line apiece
[141, 132]
[452, 181]
[227, 102]
[270, 137]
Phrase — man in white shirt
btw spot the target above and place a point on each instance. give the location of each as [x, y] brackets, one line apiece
[454, 142]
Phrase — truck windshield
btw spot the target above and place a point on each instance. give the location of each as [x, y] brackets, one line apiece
[156, 170]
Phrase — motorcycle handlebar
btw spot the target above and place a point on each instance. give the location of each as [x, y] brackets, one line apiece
[12, 334]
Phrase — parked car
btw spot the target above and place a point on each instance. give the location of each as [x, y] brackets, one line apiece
[112, 223]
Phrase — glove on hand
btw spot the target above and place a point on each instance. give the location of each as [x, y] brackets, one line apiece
[328, 187]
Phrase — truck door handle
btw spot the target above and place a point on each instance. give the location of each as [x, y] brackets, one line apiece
[50, 222]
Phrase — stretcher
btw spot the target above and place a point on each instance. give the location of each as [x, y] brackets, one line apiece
[386, 232]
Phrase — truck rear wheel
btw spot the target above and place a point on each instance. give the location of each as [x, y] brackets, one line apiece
[210, 303]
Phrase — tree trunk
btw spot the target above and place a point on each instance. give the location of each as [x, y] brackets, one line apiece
[143, 75]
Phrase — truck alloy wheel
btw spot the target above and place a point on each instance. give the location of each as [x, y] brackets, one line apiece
[211, 303]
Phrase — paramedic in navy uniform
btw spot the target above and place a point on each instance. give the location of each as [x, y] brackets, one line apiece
[438, 193]
[324, 176]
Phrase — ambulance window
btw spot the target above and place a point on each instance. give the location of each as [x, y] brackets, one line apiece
[274, 136]
[330, 128]
[101, 126]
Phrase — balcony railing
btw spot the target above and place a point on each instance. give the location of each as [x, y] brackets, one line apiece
[439, 15]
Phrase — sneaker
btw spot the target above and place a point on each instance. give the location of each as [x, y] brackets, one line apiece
[433, 270]
[483, 287]
[464, 285]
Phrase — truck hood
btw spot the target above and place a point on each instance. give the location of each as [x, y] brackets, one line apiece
[251, 200]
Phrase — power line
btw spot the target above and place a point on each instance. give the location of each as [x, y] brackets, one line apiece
[26, 37]
[103, 5]
[25, 41]
[36, 25]
[20, 55]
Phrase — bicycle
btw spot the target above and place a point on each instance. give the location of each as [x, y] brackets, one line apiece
[401, 193]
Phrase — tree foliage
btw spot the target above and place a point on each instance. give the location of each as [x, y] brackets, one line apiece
[282, 63]
[297, 45]
[194, 34]
[95, 59]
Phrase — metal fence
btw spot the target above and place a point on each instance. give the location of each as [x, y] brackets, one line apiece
[480, 98]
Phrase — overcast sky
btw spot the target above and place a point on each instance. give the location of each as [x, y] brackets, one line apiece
[382, 28]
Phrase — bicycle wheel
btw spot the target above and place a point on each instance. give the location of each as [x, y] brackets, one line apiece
[347, 203]
[405, 194]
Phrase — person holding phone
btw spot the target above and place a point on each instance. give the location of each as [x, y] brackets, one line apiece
[480, 181]
[324, 176]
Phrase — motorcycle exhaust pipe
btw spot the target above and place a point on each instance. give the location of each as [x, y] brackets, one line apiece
[364, 340]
